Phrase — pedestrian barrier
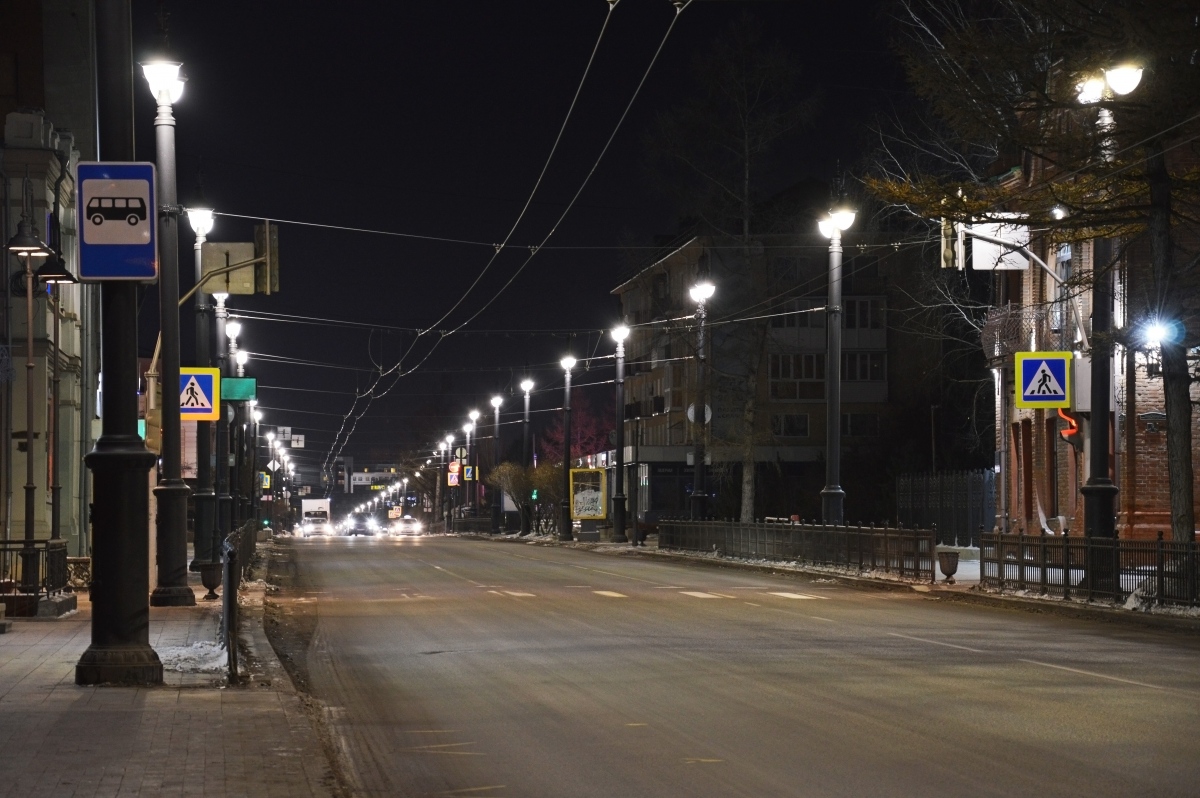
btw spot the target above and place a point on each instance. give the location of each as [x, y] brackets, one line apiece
[907, 553]
[1092, 569]
[237, 552]
[30, 571]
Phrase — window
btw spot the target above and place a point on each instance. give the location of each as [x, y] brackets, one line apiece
[787, 371]
[860, 424]
[863, 314]
[790, 425]
[864, 366]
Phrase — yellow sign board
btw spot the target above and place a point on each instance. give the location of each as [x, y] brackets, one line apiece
[589, 494]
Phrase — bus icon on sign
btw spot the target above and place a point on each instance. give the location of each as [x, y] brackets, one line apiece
[130, 210]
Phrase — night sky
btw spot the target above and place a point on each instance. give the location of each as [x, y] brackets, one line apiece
[433, 119]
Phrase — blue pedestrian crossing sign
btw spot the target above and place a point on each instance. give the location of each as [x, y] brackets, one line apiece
[1043, 379]
[117, 220]
[199, 394]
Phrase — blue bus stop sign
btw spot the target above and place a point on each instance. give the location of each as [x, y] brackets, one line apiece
[117, 222]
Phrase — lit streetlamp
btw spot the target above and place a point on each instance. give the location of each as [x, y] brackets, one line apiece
[619, 334]
[166, 84]
[564, 529]
[700, 293]
[832, 495]
[1099, 493]
[497, 495]
[526, 510]
[473, 460]
[227, 333]
[204, 531]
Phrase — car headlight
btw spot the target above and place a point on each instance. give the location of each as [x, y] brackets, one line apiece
[372, 524]
[416, 525]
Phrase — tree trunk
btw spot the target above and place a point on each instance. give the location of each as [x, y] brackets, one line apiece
[1177, 381]
[749, 416]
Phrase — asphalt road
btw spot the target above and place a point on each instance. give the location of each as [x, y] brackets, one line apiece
[477, 668]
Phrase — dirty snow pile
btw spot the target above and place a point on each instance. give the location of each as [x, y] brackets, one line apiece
[202, 657]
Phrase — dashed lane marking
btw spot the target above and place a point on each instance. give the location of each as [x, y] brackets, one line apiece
[947, 645]
[521, 595]
[609, 593]
[694, 760]
[752, 604]
[1090, 673]
[698, 594]
[797, 596]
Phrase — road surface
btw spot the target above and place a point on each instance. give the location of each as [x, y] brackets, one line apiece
[479, 668]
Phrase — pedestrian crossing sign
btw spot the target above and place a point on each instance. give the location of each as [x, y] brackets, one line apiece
[1043, 379]
[199, 394]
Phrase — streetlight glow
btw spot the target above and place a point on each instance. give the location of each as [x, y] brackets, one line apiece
[497, 401]
[526, 385]
[473, 415]
[201, 220]
[233, 329]
[567, 363]
[1124, 78]
[702, 291]
[619, 334]
[166, 84]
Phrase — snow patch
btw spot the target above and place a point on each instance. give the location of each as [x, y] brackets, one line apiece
[202, 657]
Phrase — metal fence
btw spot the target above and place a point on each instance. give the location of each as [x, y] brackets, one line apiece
[32, 570]
[237, 552]
[908, 553]
[958, 504]
[1092, 569]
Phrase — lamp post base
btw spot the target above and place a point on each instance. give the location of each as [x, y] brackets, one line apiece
[204, 533]
[171, 534]
[564, 531]
[832, 505]
[619, 519]
[126, 665]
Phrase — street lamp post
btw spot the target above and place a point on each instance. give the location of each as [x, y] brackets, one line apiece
[700, 294]
[564, 529]
[26, 246]
[619, 335]
[832, 495]
[1099, 493]
[54, 273]
[497, 495]
[166, 84]
[227, 332]
[526, 510]
[473, 460]
[204, 528]
[439, 512]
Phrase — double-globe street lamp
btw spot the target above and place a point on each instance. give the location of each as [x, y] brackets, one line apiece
[204, 527]
[564, 528]
[473, 461]
[166, 84]
[832, 495]
[700, 294]
[619, 334]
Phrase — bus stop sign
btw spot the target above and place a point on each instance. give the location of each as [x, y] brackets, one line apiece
[117, 220]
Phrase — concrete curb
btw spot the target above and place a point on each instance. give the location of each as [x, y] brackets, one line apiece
[1068, 609]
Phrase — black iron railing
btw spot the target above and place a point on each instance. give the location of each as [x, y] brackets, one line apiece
[237, 553]
[907, 553]
[1092, 569]
[37, 568]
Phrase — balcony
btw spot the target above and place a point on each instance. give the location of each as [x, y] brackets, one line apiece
[1022, 328]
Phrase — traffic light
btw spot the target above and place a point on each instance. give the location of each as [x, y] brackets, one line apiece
[953, 251]
[533, 495]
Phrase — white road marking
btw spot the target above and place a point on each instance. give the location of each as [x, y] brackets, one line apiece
[522, 595]
[609, 593]
[752, 604]
[938, 643]
[798, 596]
[697, 594]
[819, 618]
[722, 595]
[584, 586]
[667, 587]
[1090, 673]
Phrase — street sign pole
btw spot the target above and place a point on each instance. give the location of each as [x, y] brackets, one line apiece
[120, 649]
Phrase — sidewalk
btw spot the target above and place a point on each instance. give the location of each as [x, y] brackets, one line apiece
[191, 736]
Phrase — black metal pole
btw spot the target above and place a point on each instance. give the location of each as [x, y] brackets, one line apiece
[526, 509]
[564, 530]
[120, 649]
[172, 492]
[497, 495]
[619, 471]
[30, 570]
[1099, 493]
[224, 500]
[832, 495]
[204, 549]
[699, 420]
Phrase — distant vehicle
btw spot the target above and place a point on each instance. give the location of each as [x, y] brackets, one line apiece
[315, 517]
[360, 524]
[406, 526]
[115, 209]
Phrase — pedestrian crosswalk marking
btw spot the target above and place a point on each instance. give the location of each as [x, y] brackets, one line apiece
[798, 596]
[609, 593]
